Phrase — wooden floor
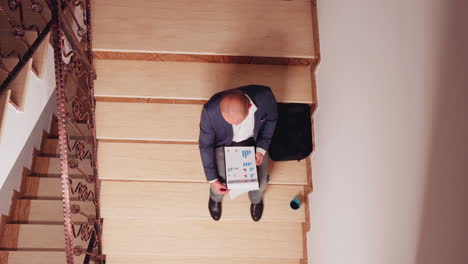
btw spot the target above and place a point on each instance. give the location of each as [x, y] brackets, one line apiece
[155, 70]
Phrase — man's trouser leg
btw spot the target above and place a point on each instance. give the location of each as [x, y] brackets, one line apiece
[263, 177]
[219, 152]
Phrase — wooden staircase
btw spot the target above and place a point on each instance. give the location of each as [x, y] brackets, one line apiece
[33, 231]
[157, 62]
[15, 94]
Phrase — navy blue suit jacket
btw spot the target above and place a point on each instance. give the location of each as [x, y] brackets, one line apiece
[216, 132]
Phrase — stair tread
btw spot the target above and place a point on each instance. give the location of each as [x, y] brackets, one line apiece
[222, 27]
[140, 259]
[177, 238]
[139, 121]
[51, 147]
[162, 200]
[76, 130]
[198, 81]
[175, 162]
[39, 257]
[35, 236]
[51, 165]
[51, 187]
[48, 211]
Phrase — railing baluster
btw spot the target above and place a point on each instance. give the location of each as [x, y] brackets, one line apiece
[76, 105]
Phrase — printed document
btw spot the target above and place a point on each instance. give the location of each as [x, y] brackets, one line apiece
[241, 170]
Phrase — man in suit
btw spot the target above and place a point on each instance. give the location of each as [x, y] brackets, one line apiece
[244, 116]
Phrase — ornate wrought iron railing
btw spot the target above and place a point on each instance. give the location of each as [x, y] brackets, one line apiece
[23, 26]
[77, 135]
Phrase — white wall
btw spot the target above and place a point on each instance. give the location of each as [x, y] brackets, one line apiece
[390, 170]
[24, 159]
[16, 145]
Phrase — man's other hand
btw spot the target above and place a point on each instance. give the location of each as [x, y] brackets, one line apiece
[259, 158]
[219, 188]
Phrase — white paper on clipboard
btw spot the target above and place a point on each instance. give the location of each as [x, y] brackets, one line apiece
[241, 170]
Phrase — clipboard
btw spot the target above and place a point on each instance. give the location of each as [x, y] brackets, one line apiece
[241, 170]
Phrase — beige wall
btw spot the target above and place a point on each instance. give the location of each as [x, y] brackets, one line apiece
[391, 165]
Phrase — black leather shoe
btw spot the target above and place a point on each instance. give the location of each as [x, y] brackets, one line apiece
[215, 209]
[256, 211]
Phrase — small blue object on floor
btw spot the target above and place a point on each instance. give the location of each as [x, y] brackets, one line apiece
[295, 203]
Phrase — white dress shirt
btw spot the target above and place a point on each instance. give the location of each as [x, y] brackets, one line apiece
[245, 129]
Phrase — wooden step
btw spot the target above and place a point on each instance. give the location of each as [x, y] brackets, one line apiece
[51, 147]
[139, 121]
[9, 62]
[213, 239]
[20, 84]
[144, 259]
[271, 28]
[175, 162]
[40, 56]
[38, 211]
[39, 257]
[51, 165]
[4, 101]
[35, 237]
[163, 200]
[51, 188]
[198, 81]
[75, 130]
[28, 16]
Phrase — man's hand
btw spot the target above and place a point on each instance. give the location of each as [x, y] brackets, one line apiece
[219, 188]
[259, 158]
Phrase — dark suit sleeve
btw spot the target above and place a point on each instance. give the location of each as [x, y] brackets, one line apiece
[207, 146]
[268, 105]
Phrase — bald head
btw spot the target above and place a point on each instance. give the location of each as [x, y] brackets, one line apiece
[234, 107]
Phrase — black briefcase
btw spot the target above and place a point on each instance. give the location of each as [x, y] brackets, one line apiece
[293, 134]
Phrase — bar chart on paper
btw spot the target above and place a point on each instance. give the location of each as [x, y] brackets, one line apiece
[246, 153]
[241, 171]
